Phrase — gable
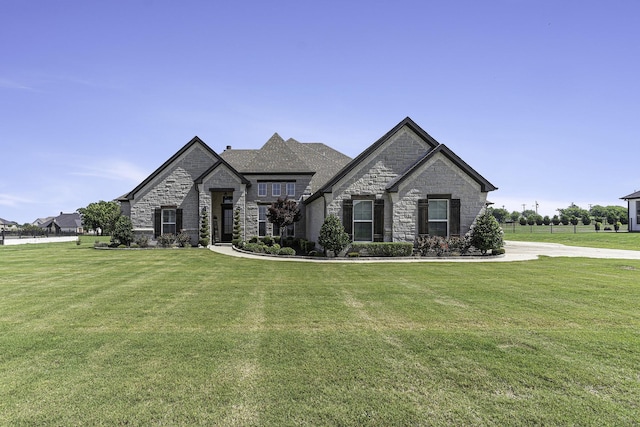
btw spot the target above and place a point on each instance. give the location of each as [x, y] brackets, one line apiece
[193, 159]
[385, 159]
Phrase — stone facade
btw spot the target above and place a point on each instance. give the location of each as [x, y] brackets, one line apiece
[403, 167]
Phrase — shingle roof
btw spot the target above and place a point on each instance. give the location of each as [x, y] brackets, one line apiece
[278, 156]
[65, 220]
[635, 195]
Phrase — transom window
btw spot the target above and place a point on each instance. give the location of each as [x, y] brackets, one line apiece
[363, 220]
[262, 189]
[439, 217]
[168, 221]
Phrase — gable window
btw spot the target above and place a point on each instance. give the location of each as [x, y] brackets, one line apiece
[362, 220]
[275, 189]
[262, 220]
[262, 189]
[291, 189]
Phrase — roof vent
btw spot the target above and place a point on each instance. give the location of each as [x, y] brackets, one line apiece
[228, 147]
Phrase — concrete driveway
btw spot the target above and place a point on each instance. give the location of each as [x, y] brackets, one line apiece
[515, 251]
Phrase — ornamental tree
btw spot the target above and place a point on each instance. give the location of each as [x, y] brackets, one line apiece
[283, 213]
[100, 216]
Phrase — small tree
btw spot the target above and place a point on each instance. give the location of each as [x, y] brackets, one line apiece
[122, 233]
[486, 233]
[332, 235]
[283, 213]
[204, 228]
[100, 216]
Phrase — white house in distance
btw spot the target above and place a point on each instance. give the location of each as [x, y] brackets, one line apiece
[633, 201]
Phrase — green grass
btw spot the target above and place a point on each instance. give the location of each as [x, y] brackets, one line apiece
[189, 337]
[583, 236]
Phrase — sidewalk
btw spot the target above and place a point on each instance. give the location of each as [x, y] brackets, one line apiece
[515, 251]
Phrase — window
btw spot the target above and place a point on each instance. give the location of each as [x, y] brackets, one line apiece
[438, 217]
[262, 189]
[262, 220]
[275, 189]
[363, 220]
[637, 212]
[291, 188]
[168, 221]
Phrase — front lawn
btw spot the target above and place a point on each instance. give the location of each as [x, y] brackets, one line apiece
[190, 337]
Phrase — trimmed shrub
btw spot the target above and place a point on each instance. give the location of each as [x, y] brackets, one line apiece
[287, 251]
[486, 233]
[143, 241]
[332, 235]
[598, 225]
[203, 237]
[546, 220]
[255, 247]
[555, 220]
[122, 231]
[499, 251]
[267, 240]
[382, 249]
[522, 220]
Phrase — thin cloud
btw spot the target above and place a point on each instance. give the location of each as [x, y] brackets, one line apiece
[11, 84]
[11, 200]
[113, 170]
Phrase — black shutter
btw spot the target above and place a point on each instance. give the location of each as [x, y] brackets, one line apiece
[178, 221]
[454, 221]
[378, 220]
[347, 217]
[157, 222]
[423, 216]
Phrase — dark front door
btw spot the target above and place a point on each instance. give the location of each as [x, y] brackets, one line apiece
[227, 223]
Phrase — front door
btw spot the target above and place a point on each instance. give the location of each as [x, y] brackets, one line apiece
[227, 223]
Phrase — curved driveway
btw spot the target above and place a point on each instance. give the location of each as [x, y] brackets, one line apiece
[515, 251]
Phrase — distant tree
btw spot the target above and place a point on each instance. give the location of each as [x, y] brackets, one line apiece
[555, 220]
[598, 211]
[283, 213]
[122, 233]
[617, 213]
[100, 216]
[522, 220]
[500, 214]
[586, 220]
[515, 216]
[546, 220]
[573, 211]
[332, 235]
[528, 213]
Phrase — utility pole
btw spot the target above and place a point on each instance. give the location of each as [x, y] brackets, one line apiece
[536, 207]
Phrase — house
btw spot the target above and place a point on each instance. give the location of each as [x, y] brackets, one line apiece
[65, 223]
[633, 201]
[6, 225]
[404, 185]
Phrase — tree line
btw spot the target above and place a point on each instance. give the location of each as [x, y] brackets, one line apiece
[572, 214]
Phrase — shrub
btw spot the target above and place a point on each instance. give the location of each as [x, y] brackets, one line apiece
[203, 237]
[617, 226]
[332, 235]
[555, 220]
[287, 251]
[486, 233]
[546, 220]
[122, 233]
[586, 220]
[353, 254]
[273, 250]
[237, 228]
[236, 242]
[598, 225]
[254, 239]
[183, 239]
[564, 220]
[573, 220]
[436, 245]
[99, 244]
[499, 251]
[383, 249]
[522, 220]
[143, 241]
[255, 247]
[166, 240]
[267, 240]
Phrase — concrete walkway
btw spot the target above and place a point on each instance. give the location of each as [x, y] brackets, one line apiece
[515, 251]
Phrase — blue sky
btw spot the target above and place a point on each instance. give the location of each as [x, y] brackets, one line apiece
[541, 97]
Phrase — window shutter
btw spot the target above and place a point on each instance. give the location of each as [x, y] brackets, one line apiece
[157, 222]
[423, 215]
[347, 217]
[454, 220]
[178, 221]
[378, 220]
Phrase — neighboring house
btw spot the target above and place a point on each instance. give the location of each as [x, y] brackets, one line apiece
[65, 223]
[404, 185]
[6, 225]
[633, 201]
